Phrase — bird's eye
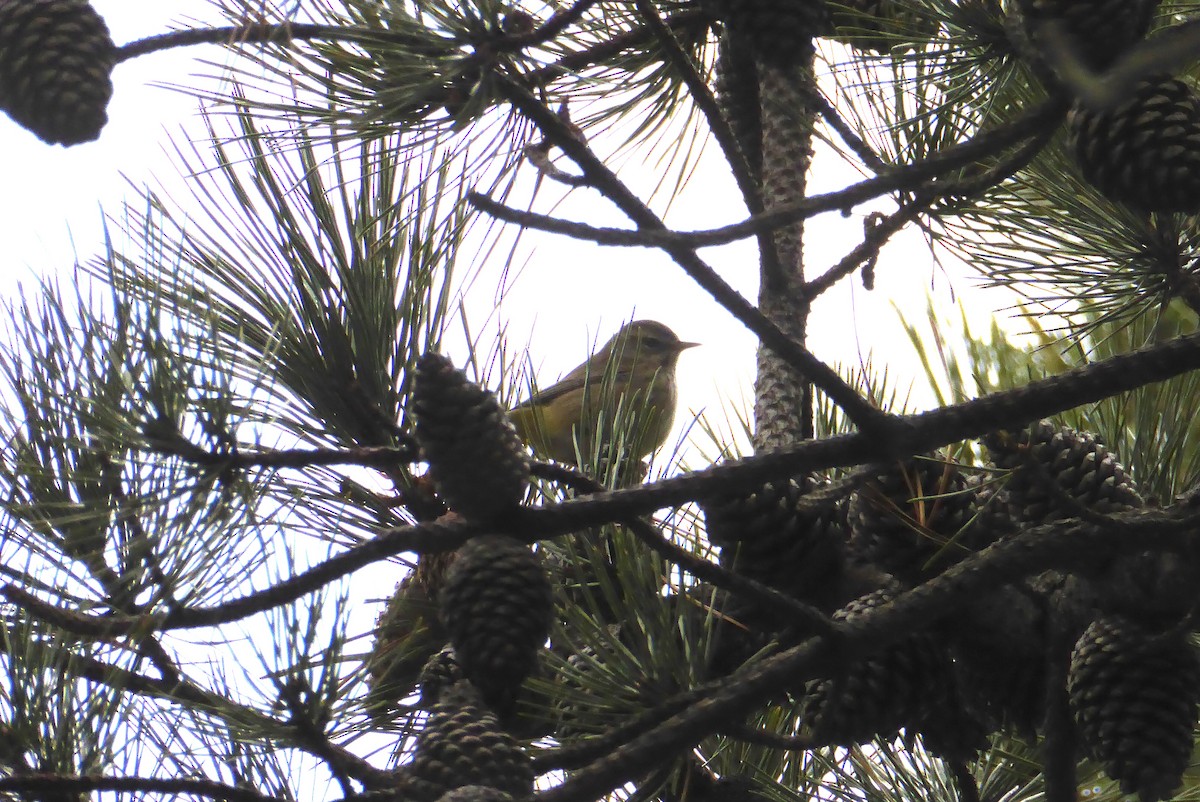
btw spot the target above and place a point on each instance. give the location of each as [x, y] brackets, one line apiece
[652, 342]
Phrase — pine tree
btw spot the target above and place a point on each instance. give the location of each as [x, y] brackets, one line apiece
[243, 423]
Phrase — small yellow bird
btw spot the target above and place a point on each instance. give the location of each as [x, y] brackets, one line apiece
[629, 385]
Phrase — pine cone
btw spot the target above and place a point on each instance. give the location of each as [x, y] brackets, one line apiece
[993, 510]
[1049, 462]
[913, 519]
[463, 744]
[496, 605]
[736, 92]
[56, 61]
[1134, 695]
[475, 456]
[574, 718]
[1145, 152]
[880, 25]
[1100, 30]
[880, 694]
[779, 32]
[771, 536]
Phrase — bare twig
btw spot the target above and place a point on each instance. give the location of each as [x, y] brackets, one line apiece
[770, 738]
[265, 33]
[185, 691]
[366, 456]
[966, 187]
[909, 177]
[559, 21]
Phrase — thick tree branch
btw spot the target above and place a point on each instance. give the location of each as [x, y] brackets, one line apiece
[43, 786]
[907, 435]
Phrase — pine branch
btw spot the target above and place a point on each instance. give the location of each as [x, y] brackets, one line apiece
[41, 786]
[908, 177]
[600, 177]
[1060, 743]
[703, 97]
[809, 618]
[1166, 51]
[238, 460]
[911, 434]
[966, 187]
[1064, 544]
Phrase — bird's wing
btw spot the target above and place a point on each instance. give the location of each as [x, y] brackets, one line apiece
[575, 380]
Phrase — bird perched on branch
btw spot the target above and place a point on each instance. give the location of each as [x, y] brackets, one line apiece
[626, 391]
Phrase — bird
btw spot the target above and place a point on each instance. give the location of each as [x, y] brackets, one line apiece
[632, 378]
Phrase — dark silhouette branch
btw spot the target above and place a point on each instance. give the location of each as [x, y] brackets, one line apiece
[1063, 544]
[286, 32]
[810, 619]
[269, 33]
[1165, 51]
[558, 22]
[581, 754]
[636, 38]
[42, 786]
[770, 739]
[865, 153]
[703, 97]
[1042, 118]
[907, 435]
[365, 456]
[867, 251]
[857, 409]
[181, 690]
[967, 187]
[1059, 745]
[968, 787]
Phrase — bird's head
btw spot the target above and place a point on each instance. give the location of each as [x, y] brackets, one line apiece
[648, 344]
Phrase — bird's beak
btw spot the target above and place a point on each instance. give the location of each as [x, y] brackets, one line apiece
[681, 347]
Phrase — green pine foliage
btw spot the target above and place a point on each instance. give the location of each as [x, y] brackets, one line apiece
[210, 481]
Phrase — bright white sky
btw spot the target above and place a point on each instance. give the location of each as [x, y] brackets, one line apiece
[569, 293]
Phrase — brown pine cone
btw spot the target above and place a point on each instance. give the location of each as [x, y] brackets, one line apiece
[1134, 695]
[56, 61]
[1144, 153]
[462, 744]
[476, 459]
[496, 605]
